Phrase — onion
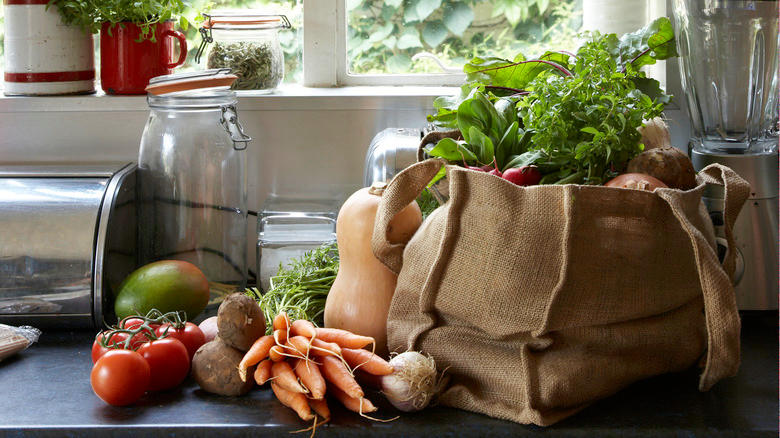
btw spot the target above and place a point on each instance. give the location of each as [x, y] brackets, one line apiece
[413, 383]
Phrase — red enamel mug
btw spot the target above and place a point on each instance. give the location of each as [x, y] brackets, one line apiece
[127, 64]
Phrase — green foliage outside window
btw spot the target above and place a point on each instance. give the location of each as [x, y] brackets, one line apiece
[383, 36]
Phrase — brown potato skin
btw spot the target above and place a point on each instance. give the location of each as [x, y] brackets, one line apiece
[215, 368]
[240, 321]
[668, 164]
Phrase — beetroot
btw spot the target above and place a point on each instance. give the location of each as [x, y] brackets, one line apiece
[523, 176]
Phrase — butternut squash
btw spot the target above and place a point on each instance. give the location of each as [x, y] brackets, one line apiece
[360, 297]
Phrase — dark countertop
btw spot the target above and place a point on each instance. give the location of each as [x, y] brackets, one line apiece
[45, 391]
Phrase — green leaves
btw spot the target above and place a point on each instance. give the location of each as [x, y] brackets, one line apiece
[419, 10]
[573, 116]
[458, 18]
[410, 38]
[90, 14]
[434, 33]
[643, 47]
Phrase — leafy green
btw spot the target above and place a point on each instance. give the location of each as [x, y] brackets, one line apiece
[573, 116]
[302, 288]
[89, 15]
[427, 203]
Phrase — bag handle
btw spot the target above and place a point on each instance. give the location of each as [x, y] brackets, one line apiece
[404, 188]
[720, 305]
[736, 192]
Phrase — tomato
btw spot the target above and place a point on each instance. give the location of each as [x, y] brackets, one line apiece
[120, 377]
[190, 335]
[168, 361]
[98, 350]
[132, 323]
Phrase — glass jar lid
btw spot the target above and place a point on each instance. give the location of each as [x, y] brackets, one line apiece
[177, 83]
[245, 21]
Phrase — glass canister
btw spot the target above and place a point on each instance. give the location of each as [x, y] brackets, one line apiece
[248, 44]
[192, 178]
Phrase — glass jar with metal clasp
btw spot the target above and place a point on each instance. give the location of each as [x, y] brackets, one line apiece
[192, 178]
[246, 43]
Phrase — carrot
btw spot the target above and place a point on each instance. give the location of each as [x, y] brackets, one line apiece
[320, 345]
[361, 405]
[337, 373]
[257, 352]
[285, 378]
[295, 401]
[263, 372]
[343, 338]
[311, 378]
[305, 347]
[320, 407]
[367, 361]
[303, 327]
[275, 353]
[281, 322]
[280, 336]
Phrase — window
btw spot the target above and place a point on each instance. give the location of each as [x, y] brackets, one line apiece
[421, 42]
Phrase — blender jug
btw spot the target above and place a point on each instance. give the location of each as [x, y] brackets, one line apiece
[728, 62]
[729, 72]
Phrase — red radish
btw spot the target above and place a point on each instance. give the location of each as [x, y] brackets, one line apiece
[478, 169]
[496, 172]
[486, 168]
[523, 176]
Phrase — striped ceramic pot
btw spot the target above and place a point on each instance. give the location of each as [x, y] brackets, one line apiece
[43, 56]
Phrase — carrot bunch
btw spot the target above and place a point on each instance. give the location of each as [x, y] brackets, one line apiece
[303, 363]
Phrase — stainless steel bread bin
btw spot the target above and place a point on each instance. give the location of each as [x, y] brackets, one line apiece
[67, 239]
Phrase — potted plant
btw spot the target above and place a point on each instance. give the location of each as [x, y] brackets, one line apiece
[137, 38]
[44, 56]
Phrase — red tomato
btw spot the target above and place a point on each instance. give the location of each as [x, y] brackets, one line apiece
[132, 323]
[120, 377]
[168, 361]
[190, 335]
[99, 350]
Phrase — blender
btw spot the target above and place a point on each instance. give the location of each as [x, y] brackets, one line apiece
[729, 71]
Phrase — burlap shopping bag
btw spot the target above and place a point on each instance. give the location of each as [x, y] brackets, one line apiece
[544, 299]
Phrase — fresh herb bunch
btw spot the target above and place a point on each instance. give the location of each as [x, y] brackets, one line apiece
[89, 15]
[256, 64]
[427, 203]
[577, 115]
[302, 288]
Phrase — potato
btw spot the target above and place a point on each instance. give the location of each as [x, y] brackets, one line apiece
[668, 164]
[215, 368]
[240, 321]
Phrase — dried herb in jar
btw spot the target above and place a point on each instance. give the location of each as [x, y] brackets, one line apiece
[256, 64]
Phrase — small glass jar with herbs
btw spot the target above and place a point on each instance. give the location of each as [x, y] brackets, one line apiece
[247, 44]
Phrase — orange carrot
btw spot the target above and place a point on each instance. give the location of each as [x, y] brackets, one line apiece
[344, 338]
[337, 373]
[320, 345]
[361, 405]
[311, 378]
[275, 353]
[284, 377]
[320, 407]
[367, 361]
[263, 372]
[280, 336]
[281, 322]
[295, 401]
[303, 346]
[256, 353]
[303, 327]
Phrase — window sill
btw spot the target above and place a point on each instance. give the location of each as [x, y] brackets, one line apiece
[285, 98]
